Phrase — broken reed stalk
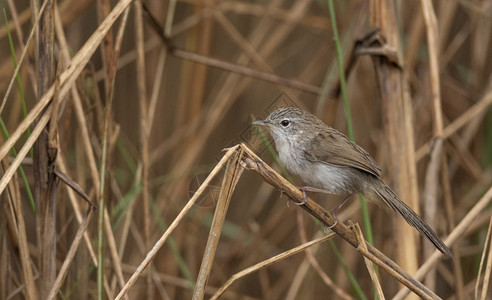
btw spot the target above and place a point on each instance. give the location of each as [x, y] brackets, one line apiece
[233, 172]
[396, 109]
[44, 179]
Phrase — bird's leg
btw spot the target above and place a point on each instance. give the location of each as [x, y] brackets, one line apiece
[335, 210]
[305, 189]
[318, 190]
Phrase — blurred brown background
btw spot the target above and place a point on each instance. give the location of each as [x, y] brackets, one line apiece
[175, 114]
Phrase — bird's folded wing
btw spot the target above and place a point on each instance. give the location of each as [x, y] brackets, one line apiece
[335, 148]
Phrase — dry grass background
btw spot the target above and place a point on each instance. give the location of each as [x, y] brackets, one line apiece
[141, 122]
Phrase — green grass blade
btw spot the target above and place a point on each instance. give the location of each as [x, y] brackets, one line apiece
[351, 277]
[348, 115]
[17, 78]
[5, 132]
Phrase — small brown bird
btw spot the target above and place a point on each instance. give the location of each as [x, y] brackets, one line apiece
[327, 161]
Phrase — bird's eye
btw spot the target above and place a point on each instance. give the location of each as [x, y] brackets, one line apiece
[285, 123]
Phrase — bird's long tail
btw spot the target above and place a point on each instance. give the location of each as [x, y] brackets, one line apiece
[382, 190]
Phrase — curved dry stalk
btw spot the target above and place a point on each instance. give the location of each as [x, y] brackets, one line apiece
[267, 262]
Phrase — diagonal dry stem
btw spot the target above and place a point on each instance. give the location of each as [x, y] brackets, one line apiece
[71, 254]
[138, 272]
[267, 262]
[369, 265]
[254, 163]
[233, 172]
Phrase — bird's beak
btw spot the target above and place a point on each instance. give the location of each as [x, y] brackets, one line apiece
[260, 122]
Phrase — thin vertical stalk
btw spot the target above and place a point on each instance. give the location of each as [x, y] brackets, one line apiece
[346, 109]
[25, 259]
[44, 178]
[232, 174]
[144, 135]
[101, 200]
[106, 136]
[432, 184]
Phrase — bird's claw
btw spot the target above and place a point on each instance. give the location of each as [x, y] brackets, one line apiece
[334, 224]
[304, 199]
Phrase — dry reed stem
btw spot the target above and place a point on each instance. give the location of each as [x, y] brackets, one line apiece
[20, 38]
[9, 173]
[263, 264]
[21, 60]
[111, 139]
[488, 268]
[144, 135]
[21, 234]
[107, 47]
[85, 140]
[254, 163]
[432, 185]
[175, 223]
[62, 273]
[431, 189]
[67, 78]
[396, 105]
[55, 104]
[61, 164]
[79, 111]
[160, 69]
[242, 42]
[459, 94]
[45, 183]
[155, 90]
[456, 234]
[450, 212]
[369, 265]
[176, 281]
[69, 10]
[233, 172]
[127, 222]
[241, 70]
[91, 158]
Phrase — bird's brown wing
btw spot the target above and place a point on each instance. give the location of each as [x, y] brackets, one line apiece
[338, 150]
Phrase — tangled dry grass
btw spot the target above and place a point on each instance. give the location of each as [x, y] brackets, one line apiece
[114, 116]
